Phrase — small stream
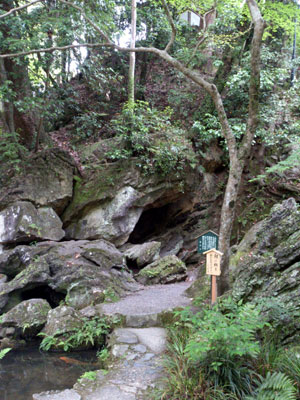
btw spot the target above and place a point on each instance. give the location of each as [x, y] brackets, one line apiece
[28, 371]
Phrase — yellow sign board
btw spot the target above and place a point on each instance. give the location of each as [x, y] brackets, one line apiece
[213, 262]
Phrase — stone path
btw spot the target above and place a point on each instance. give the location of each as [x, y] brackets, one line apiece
[136, 349]
[148, 306]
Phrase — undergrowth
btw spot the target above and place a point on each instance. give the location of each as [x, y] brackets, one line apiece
[229, 352]
[158, 145]
[92, 332]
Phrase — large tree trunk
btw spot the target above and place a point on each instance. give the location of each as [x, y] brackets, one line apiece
[27, 123]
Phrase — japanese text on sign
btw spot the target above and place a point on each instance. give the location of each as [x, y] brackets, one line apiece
[213, 264]
[207, 241]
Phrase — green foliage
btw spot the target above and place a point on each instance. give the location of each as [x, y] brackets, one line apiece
[224, 343]
[276, 386]
[91, 332]
[90, 375]
[103, 354]
[110, 295]
[3, 352]
[225, 335]
[211, 353]
[207, 129]
[292, 161]
[88, 124]
[288, 362]
[10, 151]
[148, 135]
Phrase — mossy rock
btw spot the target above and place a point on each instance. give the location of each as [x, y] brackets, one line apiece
[168, 269]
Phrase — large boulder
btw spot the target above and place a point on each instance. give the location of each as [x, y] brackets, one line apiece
[82, 272]
[62, 319]
[113, 220]
[142, 254]
[168, 269]
[25, 320]
[23, 222]
[266, 265]
[67, 329]
[47, 180]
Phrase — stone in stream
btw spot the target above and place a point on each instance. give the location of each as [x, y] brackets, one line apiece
[27, 318]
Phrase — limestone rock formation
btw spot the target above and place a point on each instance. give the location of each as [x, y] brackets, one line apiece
[142, 254]
[79, 271]
[62, 319]
[113, 220]
[46, 181]
[109, 203]
[168, 269]
[24, 320]
[266, 265]
[22, 222]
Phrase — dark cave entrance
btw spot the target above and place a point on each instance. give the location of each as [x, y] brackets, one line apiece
[43, 292]
[152, 222]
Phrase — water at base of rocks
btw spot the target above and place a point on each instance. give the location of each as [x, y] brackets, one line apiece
[29, 371]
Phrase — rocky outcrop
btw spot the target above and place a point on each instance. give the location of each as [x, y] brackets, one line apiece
[80, 271]
[113, 220]
[110, 202]
[45, 181]
[23, 222]
[25, 320]
[168, 269]
[142, 254]
[266, 265]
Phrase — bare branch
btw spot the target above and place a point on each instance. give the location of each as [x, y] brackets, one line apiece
[203, 37]
[171, 22]
[20, 8]
[51, 49]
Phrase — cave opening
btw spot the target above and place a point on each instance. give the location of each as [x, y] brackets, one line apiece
[43, 292]
[132, 265]
[152, 222]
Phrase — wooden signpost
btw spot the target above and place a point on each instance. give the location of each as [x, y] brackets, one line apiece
[213, 268]
[208, 244]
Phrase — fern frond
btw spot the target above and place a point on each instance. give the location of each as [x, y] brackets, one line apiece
[276, 386]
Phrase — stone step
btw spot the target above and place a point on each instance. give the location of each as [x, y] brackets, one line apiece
[135, 368]
[151, 306]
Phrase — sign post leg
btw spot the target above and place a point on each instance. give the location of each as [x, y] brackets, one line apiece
[213, 289]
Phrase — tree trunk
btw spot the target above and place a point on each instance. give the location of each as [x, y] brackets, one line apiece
[132, 55]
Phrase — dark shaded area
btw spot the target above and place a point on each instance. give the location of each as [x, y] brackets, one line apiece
[152, 222]
[28, 371]
[43, 292]
[132, 265]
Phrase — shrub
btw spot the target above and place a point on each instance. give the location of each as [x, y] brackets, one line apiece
[148, 135]
[90, 333]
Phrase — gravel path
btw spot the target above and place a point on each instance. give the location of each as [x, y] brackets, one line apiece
[150, 300]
